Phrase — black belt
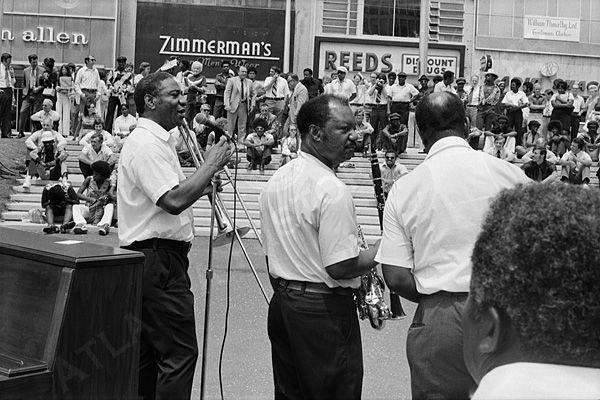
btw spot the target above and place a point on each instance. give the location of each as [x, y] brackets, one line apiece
[444, 293]
[535, 111]
[471, 105]
[377, 105]
[400, 102]
[157, 243]
[89, 90]
[312, 287]
[275, 98]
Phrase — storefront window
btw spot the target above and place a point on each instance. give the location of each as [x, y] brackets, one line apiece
[266, 4]
[391, 18]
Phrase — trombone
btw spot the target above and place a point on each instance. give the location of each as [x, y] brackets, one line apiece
[219, 212]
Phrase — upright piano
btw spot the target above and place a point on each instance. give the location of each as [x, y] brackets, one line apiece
[69, 318]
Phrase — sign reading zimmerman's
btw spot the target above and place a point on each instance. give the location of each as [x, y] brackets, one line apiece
[250, 37]
[551, 28]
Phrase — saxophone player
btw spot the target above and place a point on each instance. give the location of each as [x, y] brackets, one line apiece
[431, 220]
[310, 238]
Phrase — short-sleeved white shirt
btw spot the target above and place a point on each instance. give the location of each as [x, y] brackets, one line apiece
[343, 89]
[308, 222]
[441, 87]
[149, 168]
[278, 90]
[402, 93]
[107, 139]
[433, 215]
[102, 155]
[515, 99]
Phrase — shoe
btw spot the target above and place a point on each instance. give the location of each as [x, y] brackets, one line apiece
[80, 230]
[64, 228]
[250, 167]
[261, 168]
[64, 180]
[27, 183]
[104, 229]
[20, 135]
[50, 229]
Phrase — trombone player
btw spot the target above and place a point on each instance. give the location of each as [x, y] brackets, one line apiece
[156, 218]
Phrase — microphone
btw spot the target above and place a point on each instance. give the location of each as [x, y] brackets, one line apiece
[204, 120]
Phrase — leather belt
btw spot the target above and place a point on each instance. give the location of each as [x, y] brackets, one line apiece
[471, 105]
[313, 287]
[89, 90]
[400, 102]
[158, 243]
[377, 105]
[275, 98]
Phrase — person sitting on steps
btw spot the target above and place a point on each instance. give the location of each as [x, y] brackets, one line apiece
[258, 145]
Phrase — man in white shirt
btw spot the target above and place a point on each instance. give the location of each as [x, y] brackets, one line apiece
[431, 220]
[341, 86]
[446, 84]
[576, 164]
[87, 81]
[45, 113]
[123, 125]
[7, 83]
[107, 139]
[276, 91]
[94, 151]
[154, 200]
[378, 94]
[514, 102]
[530, 324]
[578, 109]
[473, 100]
[401, 94]
[391, 171]
[310, 236]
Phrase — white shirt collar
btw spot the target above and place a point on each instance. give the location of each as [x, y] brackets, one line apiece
[154, 128]
[312, 159]
[445, 143]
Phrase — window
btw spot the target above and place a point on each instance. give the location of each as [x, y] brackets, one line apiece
[340, 16]
[392, 18]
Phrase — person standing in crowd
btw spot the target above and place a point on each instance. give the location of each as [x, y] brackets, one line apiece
[378, 103]
[361, 91]
[578, 110]
[116, 84]
[220, 85]
[391, 79]
[63, 100]
[313, 294]
[7, 83]
[342, 87]
[401, 94]
[87, 81]
[531, 319]
[537, 102]
[276, 91]
[592, 100]
[237, 102]
[446, 84]
[426, 246]
[513, 102]
[195, 84]
[562, 106]
[256, 90]
[363, 131]
[461, 92]
[32, 93]
[298, 97]
[473, 101]
[312, 84]
[155, 217]
[144, 70]
[489, 96]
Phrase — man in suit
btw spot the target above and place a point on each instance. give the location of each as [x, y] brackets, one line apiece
[236, 99]
[298, 97]
[32, 92]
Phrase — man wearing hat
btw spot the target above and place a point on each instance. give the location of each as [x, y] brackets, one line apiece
[489, 96]
[395, 135]
[460, 90]
[116, 80]
[341, 86]
[47, 153]
[402, 94]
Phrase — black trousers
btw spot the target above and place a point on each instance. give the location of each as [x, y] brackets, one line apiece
[113, 104]
[575, 119]
[168, 346]
[315, 345]
[378, 122]
[515, 121]
[402, 108]
[5, 112]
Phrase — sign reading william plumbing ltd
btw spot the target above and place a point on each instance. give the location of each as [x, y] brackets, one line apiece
[251, 37]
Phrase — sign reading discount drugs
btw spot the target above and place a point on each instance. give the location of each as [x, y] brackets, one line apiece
[435, 65]
[210, 34]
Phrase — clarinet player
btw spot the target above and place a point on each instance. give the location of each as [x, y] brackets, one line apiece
[155, 217]
[310, 239]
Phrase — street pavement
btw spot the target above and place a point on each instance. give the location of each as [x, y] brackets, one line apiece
[246, 362]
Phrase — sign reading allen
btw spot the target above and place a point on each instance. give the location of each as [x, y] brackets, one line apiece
[250, 37]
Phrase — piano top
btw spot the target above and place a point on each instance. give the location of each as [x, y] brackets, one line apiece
[48, 248]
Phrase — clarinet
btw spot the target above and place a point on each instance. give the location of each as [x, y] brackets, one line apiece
[395, 305]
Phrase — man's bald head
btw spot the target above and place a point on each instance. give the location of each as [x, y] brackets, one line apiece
[440, 115]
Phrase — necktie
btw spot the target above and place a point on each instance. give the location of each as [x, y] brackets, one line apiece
[274, 88]
[32, 79]
[378, 97]
[243, 91]
[498, 154]
[7, 77]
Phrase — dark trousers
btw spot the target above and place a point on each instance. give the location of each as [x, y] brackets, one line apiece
[485, 117]
[31, 104]
[378, 122]
[258, 158]
[316, 346]
[113, 104]
[5, 112]
[434, 349]
[219, 109]
[168, 347]
[575, 118]
[401, 108]
[86, 169]
[515, 122]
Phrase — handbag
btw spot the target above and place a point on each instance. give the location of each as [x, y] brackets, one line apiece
[48, 92]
